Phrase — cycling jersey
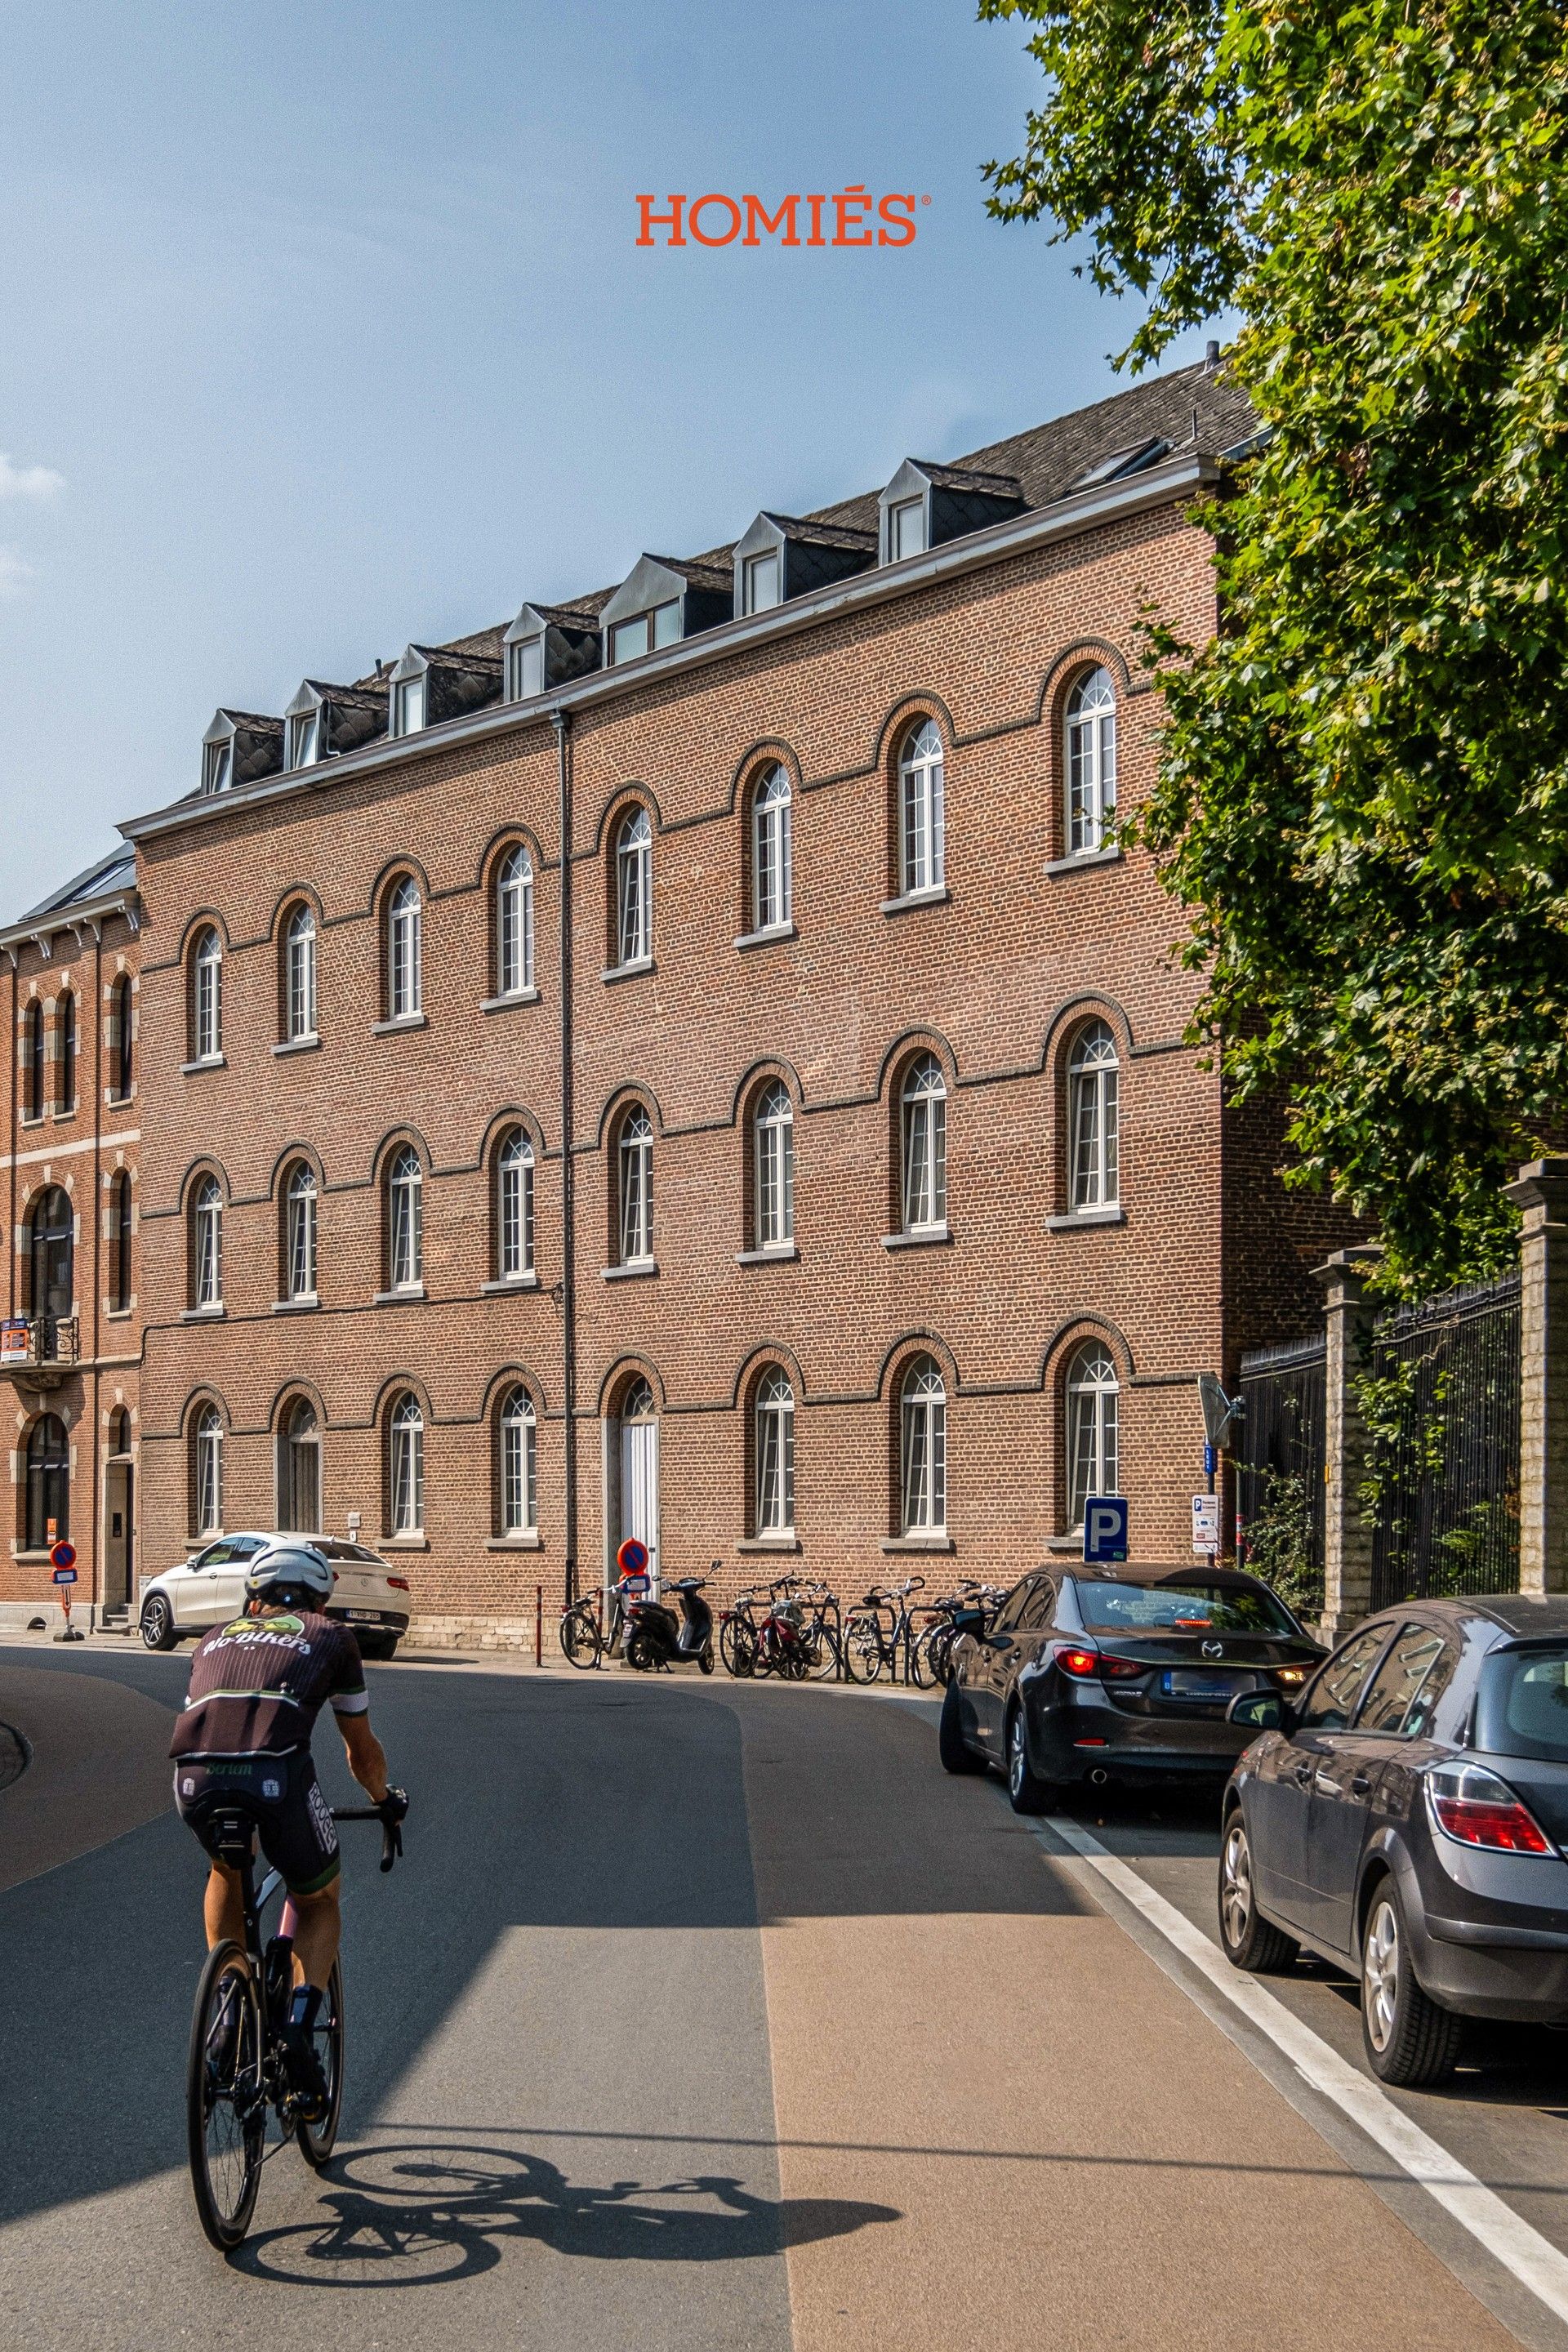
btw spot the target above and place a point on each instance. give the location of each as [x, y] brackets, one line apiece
[257, 1686]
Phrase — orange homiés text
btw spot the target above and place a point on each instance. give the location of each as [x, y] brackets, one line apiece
[852, 217]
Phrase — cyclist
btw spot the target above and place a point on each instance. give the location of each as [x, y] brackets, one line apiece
[243, 1744]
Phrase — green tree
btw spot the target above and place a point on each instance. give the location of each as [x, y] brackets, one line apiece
[1363, 795]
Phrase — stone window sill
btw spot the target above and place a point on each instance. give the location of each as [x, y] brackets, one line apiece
[769, 1543]
[298, 1044]
[1072, 1541]
[776, 1253]
[627, 971]
[1111, 856]
[203, 1062]
[638, 1271]
[933, 1542]
[902, 905]
[304, 1305]
[120, 1313]
[769, 938]
[420, 1542]
[505, 1004]
[929, 1237]
[31, 1118]
[69, 1112]
[509, 1282]
[213, 1314]
[394, 1027]
[118, 1102]
[530, 1541]
[24, 1557]
[1075, 1218]
[409, 1293]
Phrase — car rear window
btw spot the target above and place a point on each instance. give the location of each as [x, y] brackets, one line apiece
[1523, 1704]
[1107, 1607]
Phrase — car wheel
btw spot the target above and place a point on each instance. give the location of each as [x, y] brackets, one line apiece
[158, 1624]
[1409, 2040]
[953, 1751]
[1250, 1941]
[1027, 1792]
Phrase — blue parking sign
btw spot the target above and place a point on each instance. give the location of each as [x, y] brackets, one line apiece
[1105, 1528]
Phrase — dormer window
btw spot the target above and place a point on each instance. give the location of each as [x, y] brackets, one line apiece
[408, 706]
[547, 645]
[218, 766]
[304, 739]
[906, 530]
[924, 505]
[660, 602]
[645, 633]
[525, 669]
[762, 581]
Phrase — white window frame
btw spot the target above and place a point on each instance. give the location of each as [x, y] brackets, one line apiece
[525, 656]
[906, 530]
[305, 737]
[207, 1215]
[765, 568]
[924, 1134]
[634, 887]
[514, 923]
[405, 951]
[922, 822]
[406, 1466]
[773, 1439]
[409, 703]
[218, 765]
[922, 1449]
[300, 1233]
[207, 1009]
[1093, 1120]
[773, 881]
[634, 1171]
[514, 1206]
[519, 1465]
[773, 1167]
[299, 976]
[1090, 762]
[405, 1220]
[209, 1480]
[1093, 1436]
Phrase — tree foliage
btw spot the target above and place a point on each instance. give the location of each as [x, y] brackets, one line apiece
[1363, 795]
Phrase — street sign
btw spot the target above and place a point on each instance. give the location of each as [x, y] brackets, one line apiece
[1205, 1523]
[1211, 1460]
[63, 1576]
[14, 1340]
[63, 1554]
[1105, 1528]
[632, 1557]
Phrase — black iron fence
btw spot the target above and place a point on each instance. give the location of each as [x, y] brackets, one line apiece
[1279, 1468]
[1440, 1398]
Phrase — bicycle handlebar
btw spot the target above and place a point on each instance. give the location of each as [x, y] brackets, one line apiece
[390, 1831]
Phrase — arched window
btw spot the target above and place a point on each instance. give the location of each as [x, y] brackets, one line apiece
[207, 1244]
[1090, 762]
[514, 1207]
[299, 976]
[1091, 1392]
[923, 1417]
[65, 1075]
[1092, 1118]
[121, 1039]
[518, 1465]
[925, 1146]
[32, 1061]
[514, 923]
[634, 1168]
[405, 951]
[206, 997]
[775, 1443]
[207, 1471]
[299, 1469]
[773, 1125]
[49, 1482]
[120, 1272]
[300, 1202]
[118, 1431]
[405, 1221]
[52, 1252]
[922, 852]
[405, 1468]
[634, 887]
[771, 877]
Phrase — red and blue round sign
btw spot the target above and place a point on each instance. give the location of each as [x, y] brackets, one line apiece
[632, 1557]
[63, 1554]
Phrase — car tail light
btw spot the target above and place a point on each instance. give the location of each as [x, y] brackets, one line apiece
[1478, 1809]
[398, 1583]
[1291, 1676]
[1082, 1665]
[1121, 1670]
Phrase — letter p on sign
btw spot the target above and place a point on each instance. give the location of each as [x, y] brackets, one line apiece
[1105, 1528]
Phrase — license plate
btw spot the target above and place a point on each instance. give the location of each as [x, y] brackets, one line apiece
[1192, 1681]
[363, 1616]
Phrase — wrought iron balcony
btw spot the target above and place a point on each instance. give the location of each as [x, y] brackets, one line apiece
[39, 1350]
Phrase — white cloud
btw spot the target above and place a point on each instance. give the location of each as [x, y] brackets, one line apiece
[29, 481]
[15, 574]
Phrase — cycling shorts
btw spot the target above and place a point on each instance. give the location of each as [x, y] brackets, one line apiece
[281, 1799]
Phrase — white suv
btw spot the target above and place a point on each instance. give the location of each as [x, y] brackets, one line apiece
[209, 1589]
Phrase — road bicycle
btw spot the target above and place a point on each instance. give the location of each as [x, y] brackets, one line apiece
[821, 1633]
[585, 1643]
[869, 1644]
[235, 2072]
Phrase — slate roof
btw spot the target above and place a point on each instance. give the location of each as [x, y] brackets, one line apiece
[116, 871]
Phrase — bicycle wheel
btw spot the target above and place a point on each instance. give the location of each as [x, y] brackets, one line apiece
[316, 2140]
[862, 1648]
[939, 1652]
[737, 1647]
[923, 1659]
[226, 2106]
[821, 1653]
[580, 1639]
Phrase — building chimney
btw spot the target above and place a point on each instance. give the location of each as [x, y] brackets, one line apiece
[1211, 355]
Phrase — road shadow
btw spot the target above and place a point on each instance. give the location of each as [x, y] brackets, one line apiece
[414, 2215]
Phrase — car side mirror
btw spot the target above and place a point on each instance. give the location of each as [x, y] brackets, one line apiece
[1258, 1710]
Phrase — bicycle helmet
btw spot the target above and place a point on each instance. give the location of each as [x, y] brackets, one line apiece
[290, 1568]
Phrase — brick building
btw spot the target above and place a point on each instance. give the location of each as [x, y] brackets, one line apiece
[71, 1345]
[893, 1214]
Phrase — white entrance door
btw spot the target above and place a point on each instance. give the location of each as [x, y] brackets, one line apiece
[639, 1485]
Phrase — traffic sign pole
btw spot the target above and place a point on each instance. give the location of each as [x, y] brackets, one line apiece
[62, 1575]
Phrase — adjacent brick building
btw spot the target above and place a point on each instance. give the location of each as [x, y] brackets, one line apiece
[893, 1212]
[71, 1343]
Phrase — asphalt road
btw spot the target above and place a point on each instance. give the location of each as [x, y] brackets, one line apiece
[711, 2016]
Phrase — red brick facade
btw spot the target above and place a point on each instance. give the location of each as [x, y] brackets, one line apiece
[995, 978]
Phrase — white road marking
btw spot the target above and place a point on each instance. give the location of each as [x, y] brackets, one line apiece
[1532, 2259]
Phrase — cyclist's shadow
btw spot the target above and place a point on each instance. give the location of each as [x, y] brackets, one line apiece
[413, 2216]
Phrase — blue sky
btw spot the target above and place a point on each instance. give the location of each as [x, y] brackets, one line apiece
[327, 330]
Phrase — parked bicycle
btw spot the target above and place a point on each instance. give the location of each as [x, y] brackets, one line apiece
[880, 1632]
[934, 1646]
[585, 1641]
[738, 1636]
[237, 2072]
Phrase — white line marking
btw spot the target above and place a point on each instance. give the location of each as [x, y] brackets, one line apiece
[1532, 2259]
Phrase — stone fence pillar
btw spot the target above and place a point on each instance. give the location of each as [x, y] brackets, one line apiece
[1541, 1190]
[1347, 1533]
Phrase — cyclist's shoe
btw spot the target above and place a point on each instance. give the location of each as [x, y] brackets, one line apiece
[301, 2059]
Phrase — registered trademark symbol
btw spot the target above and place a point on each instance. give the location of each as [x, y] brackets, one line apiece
[925, 200]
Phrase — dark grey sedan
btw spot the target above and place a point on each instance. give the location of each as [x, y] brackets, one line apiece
[1407, 1817]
